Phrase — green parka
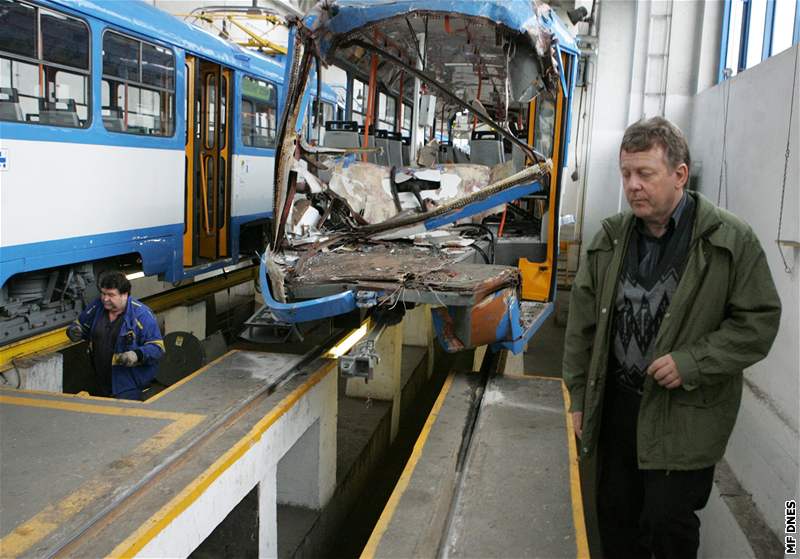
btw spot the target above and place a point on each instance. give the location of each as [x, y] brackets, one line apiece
[722, 318]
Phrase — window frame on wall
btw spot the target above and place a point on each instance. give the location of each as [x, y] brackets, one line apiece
[117, 119]
[408, 111]
[243, 98]
[45, 64]
[363, 102]
[386, 119]
[745, 42]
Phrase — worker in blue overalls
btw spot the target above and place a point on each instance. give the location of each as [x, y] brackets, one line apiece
[125, 342]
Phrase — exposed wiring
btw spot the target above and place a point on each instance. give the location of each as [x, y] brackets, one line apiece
[788, 269]
[487, 231]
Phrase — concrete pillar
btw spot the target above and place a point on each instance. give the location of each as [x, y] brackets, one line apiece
[477, 360]
[385, 383]
[513, 364]
[39, 372]
[268, 514]
[418, 331]
[186, 318]
[306, 472]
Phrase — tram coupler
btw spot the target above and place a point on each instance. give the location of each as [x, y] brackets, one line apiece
[362, 359]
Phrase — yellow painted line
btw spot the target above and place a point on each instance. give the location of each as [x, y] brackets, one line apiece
[51, 517]
[40, 343]
[79, 395]
[581, 541]
[402, 484]
[186, 379]
[134, 543]
[91, 408]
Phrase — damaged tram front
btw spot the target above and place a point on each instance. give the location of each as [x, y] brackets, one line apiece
[439, 182]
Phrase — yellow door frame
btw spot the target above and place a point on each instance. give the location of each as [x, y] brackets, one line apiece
[538, 277]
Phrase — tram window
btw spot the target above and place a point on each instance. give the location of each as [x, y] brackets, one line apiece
[138, 86]
[407, 115]
[65, 40]
[386, 112]
[158, 66]
[18, 24]
[44, 66]
[211, 110]
[120, 57]
[544, 127]
[360, 100]
[259, 113]
[223, 112]
[73, 86]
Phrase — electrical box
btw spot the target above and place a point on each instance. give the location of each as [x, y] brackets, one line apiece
[427, 110]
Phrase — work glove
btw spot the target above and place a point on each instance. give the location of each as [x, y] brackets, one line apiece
[75, 332]
[128, 359]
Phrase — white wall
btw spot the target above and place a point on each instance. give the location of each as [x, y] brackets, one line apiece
[763, 451]
[630, 37]
[611, 98]
[764, 448]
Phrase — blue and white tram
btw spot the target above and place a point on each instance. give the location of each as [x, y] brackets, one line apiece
[127, 138]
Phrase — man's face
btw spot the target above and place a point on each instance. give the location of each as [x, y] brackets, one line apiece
[113, 300]
[651, 187]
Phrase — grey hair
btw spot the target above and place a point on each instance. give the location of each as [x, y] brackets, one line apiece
[657, 131]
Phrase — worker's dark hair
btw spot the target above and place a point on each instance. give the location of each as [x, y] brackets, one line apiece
[657, 131]
[114, 279]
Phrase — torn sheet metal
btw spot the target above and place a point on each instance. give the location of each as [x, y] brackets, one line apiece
[396, 267]
[500, 320]
[304, 311]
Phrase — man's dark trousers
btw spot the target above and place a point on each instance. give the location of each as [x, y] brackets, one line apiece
[643, 513]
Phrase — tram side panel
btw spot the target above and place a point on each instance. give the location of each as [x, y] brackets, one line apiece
[93, 159]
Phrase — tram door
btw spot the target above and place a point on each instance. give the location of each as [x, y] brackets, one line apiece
[208, 185]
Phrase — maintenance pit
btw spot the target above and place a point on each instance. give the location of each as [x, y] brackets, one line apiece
[97, 477]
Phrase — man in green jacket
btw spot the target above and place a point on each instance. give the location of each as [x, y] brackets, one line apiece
[672, 301]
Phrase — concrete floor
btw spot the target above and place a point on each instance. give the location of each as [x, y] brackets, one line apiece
[544, 356]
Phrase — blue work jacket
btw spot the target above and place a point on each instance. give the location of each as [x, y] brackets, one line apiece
[138, 332]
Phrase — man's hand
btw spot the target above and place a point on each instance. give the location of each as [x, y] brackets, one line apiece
[577, 423]
[128, 359]
[665, 372]
[75, 332]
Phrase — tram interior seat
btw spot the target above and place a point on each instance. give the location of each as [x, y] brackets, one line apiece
[10, 108]
[60, 112]
[372, 157]
[390, 143]
[405, 150]
[486, 148]
[341, 134]
[112, 118]
[394, 149]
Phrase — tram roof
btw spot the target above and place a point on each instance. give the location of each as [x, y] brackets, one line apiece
[519, 15]
[145, 20]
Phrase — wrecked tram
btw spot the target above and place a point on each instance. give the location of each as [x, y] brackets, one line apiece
[462, 213]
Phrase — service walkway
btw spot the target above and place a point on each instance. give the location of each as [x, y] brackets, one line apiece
[93, 477]
[493, 474]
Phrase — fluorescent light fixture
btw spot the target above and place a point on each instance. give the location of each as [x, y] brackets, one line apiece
[347, 344]
[135, 275]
